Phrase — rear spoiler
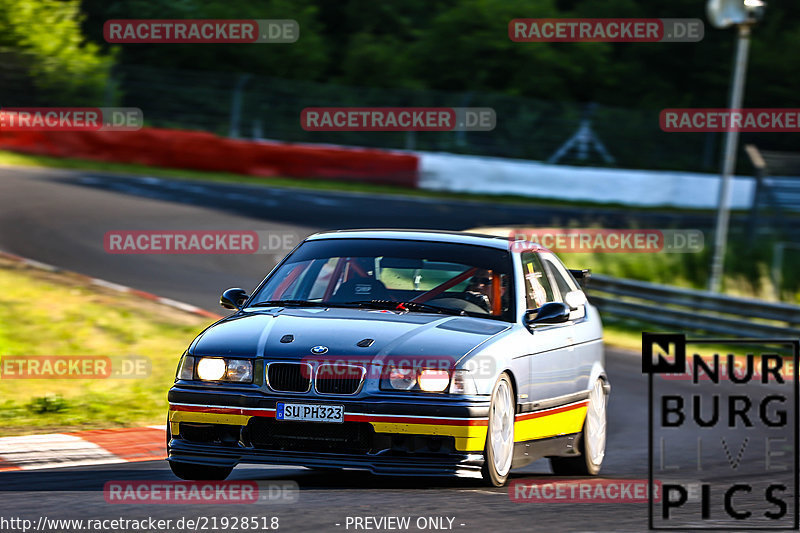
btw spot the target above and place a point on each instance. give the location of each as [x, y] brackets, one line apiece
[582, 276]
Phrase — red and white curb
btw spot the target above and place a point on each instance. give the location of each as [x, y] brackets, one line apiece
[82, 448]
[113, 286]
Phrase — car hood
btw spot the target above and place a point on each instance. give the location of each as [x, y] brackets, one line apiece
[260, 334]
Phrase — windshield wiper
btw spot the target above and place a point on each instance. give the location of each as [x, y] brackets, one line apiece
[372, 304]
[405, 306]
[302, 303]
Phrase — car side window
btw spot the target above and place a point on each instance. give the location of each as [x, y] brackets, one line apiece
[538, 290]
[558, 280]
[564, 285]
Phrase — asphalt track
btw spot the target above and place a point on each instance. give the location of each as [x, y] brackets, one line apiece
[60, 217]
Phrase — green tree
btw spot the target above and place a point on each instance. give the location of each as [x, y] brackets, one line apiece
[46, 59]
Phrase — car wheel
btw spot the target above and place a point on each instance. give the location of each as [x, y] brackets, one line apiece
[593, 439]
[499, 449]
[194, 472]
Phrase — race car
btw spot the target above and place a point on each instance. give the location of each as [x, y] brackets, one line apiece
[400, 352]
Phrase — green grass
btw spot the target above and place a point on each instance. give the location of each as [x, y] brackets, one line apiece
[43, 313]
[18, 159]
[625, 337]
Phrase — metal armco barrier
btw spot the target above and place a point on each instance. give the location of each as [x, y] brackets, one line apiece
[693, 310]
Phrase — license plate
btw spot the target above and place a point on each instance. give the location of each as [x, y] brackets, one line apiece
[309, 412]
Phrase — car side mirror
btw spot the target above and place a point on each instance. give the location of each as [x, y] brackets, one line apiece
[233, 298]
[575, 299]
[549, 313]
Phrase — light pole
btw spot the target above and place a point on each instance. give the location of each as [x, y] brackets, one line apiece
[723, 14]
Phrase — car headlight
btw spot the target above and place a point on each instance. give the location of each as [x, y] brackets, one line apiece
[433, 380]
[186, 367]
[240, 370]
[211, 369]
[416, 379]
[402, 378]
[216, 369]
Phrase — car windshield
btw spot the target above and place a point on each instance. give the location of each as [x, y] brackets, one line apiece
[401, 275]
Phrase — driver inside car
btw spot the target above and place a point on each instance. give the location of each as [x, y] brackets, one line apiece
[477, 291]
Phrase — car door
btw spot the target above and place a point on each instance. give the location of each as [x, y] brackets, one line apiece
[552, 372]
[586, 345]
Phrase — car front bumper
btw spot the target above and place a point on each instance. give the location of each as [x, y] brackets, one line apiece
[381, 434]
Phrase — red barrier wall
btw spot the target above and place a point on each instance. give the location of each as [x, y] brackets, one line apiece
[205, 151]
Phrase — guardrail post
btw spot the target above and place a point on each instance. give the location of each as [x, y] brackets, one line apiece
[777, 267]
[236, 106]
[761, 167]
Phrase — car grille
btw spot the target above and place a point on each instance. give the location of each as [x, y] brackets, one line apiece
[347, 437]
[289, 377]
[339, 379]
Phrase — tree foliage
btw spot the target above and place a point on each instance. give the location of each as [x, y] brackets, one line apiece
[463, 45]
[44, 50]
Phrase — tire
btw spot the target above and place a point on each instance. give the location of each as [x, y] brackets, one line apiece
[499, 449]
[194, 472]
[593, 439]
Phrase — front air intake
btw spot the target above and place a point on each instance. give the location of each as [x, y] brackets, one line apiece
[339, 379]
[289, 377]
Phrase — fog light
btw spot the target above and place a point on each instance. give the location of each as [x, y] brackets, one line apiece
[434, 380]
[211, 369]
